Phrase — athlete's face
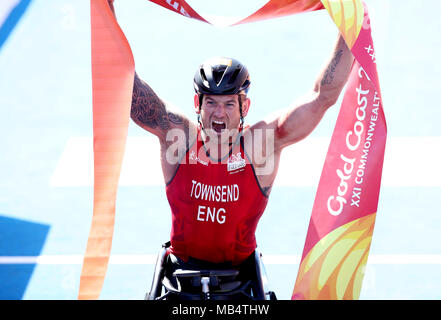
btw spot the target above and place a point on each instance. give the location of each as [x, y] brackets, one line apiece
[221, 112]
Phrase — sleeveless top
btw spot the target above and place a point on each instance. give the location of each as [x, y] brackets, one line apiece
[215, 205]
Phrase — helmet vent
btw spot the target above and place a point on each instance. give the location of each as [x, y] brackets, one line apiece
[234, 75]
[204, 78]
[218, 73]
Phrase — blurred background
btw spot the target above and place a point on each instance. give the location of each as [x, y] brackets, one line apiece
[46, 157]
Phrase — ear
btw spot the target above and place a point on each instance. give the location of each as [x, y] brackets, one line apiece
[246, 107]
[196, 104]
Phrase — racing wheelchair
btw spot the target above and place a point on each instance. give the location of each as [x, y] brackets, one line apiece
[209, 282]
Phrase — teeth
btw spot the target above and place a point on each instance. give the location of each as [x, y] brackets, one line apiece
[218, 122]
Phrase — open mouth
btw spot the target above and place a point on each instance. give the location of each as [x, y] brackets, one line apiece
[218, 126]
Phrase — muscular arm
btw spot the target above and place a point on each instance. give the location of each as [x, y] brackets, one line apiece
[151, 113]
[334, 76]
[299, 120]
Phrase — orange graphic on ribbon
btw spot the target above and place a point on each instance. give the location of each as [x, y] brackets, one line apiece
[334, 267]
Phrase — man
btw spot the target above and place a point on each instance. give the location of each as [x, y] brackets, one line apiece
[218, 172]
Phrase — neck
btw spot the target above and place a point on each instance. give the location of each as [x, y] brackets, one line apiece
[218, 146]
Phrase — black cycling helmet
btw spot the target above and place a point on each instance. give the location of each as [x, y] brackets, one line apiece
[221, 76]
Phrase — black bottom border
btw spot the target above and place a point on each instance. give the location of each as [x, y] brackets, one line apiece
[268, 310]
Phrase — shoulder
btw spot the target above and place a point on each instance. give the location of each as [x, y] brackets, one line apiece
[259, 146]
[259, 137]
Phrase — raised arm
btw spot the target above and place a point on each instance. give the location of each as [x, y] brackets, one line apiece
[300, 119]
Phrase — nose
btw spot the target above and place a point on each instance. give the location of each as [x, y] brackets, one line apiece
[220, 110]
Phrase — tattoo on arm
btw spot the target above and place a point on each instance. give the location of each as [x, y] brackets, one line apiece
[149, 110]
[175, 118]
[330, 71]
